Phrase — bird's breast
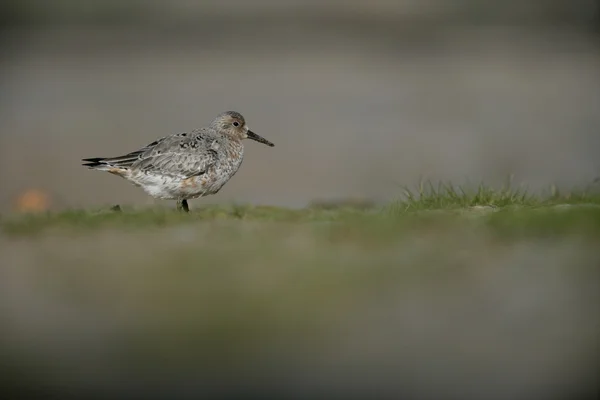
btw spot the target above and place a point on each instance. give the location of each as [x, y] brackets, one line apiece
[233, 154]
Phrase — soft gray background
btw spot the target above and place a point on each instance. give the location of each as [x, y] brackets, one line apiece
[360, 97]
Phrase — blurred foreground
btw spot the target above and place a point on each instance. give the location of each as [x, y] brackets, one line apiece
[320, 303]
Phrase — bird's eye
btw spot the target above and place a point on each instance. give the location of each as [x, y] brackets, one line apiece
[235, 123]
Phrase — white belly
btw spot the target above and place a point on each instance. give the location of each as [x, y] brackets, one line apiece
[177, 188]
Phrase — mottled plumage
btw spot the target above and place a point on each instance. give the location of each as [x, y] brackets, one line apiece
[185, 165]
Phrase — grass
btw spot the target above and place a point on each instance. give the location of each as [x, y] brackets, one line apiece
[447, 197]
[513, 206]
[131, 219]
[442, 285]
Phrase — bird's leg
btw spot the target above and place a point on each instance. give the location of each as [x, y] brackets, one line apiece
[182, 205]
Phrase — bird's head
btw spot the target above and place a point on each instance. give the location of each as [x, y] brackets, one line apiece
[233, 124]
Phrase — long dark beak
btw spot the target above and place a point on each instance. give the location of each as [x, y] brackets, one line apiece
[259, 139]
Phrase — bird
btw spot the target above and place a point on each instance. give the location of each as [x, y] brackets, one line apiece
[185, 165]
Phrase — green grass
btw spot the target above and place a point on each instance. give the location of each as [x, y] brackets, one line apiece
[502, 208]
[130, 219]
[442, 196]
[491, 283]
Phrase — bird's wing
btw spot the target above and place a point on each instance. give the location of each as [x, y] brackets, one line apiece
[182, 155]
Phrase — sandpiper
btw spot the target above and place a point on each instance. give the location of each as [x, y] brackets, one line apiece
[185, 165]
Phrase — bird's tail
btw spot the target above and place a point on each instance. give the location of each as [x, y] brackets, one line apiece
[104, 164]
[95, 163]
[111, 163]
[118, 165]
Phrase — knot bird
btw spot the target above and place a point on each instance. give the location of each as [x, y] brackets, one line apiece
[185, 165]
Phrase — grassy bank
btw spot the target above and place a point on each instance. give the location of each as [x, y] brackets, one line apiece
[556, 211]
[412, 297]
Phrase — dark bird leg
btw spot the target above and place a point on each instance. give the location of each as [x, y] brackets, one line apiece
[182, 205]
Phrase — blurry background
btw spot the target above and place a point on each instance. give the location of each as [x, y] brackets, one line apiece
[359, 96]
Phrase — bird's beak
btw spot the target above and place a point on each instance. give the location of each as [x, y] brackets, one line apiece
[259, 139]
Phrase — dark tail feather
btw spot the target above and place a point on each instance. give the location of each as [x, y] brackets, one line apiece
[119, 162]
[93, 162]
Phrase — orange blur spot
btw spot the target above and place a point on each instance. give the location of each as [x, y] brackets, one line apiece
[33, 200]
